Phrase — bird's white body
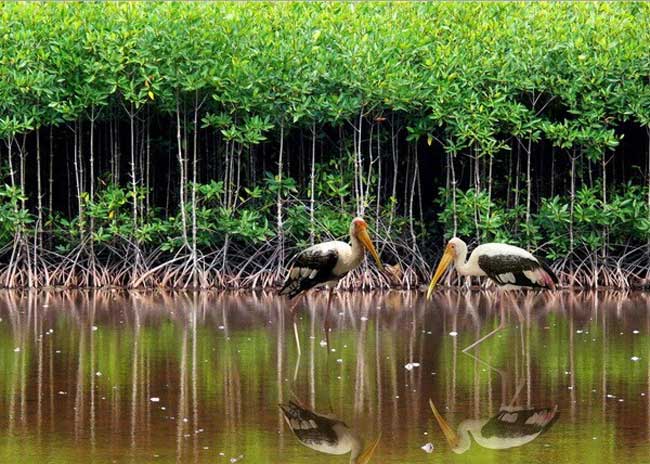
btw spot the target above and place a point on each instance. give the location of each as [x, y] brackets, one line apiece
[325, 433]
[511, 428]
[349, 257]
[347, 442]
[474, 427]
[326, 264]
[506, 277]
[471, 267]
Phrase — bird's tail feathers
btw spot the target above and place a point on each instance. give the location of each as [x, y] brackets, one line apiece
[291, 288]
[550, 277]
[555, 415]
[291, 410]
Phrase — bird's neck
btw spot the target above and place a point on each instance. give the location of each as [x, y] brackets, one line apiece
[357, 248]
[464, 440]
[356, 448]
[460, 262]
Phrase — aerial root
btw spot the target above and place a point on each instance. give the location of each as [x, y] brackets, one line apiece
[26, 264]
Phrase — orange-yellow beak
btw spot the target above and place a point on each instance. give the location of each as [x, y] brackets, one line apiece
[364, 238]
[368, 452]
[449, 433]
[445, 261]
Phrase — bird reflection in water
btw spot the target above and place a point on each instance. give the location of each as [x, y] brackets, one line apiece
[326, 434]
[510, 428]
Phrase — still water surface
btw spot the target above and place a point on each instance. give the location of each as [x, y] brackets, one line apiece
[115, 377]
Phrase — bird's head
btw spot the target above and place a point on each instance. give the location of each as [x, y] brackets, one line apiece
[359, 230]
[454, 248]
[458, 443]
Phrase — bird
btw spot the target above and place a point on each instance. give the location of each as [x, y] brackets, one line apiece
[510, 428]
[325, 264]
[325, 434]
[508, 266]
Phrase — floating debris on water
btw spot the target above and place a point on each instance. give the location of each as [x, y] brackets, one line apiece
[154, 399]
[635, 358]
[453, 334]
[428, 448]
[410, 366]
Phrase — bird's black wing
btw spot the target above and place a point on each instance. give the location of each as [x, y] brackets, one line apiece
[309, 427]
[311, 267]
[520, 423]
[517, 270]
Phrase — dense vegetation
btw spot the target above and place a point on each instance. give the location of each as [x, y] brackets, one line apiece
[199, 144]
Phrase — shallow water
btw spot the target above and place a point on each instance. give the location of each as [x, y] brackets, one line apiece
[114, 377]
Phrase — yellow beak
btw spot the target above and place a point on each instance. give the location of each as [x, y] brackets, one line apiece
[364, 238]
[445, 261]
[449, 433]
[367, 454]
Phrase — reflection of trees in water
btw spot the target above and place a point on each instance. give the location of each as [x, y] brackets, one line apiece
[220, 363]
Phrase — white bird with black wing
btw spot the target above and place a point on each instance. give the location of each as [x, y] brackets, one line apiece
[324, 264]
[508, 266]
[326, 434]
[510, 428]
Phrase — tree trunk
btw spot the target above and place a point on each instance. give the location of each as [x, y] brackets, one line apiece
[312, 185]
[528, 190]
[92, 165]
[134, 191]
[39, 186]
[279, 197]
[194, 161]
[572, 198]
[181, 167]
[453, 193]
[78, 174]
[490, 180]
[50, 180]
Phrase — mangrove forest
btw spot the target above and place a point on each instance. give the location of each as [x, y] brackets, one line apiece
[193, 145]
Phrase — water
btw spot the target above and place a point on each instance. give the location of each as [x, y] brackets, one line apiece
[115, 377]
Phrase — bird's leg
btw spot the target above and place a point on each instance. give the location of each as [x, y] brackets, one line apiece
[520, 386]
[295, 324]
[326, 322]
[501, 326]
[501, 373]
